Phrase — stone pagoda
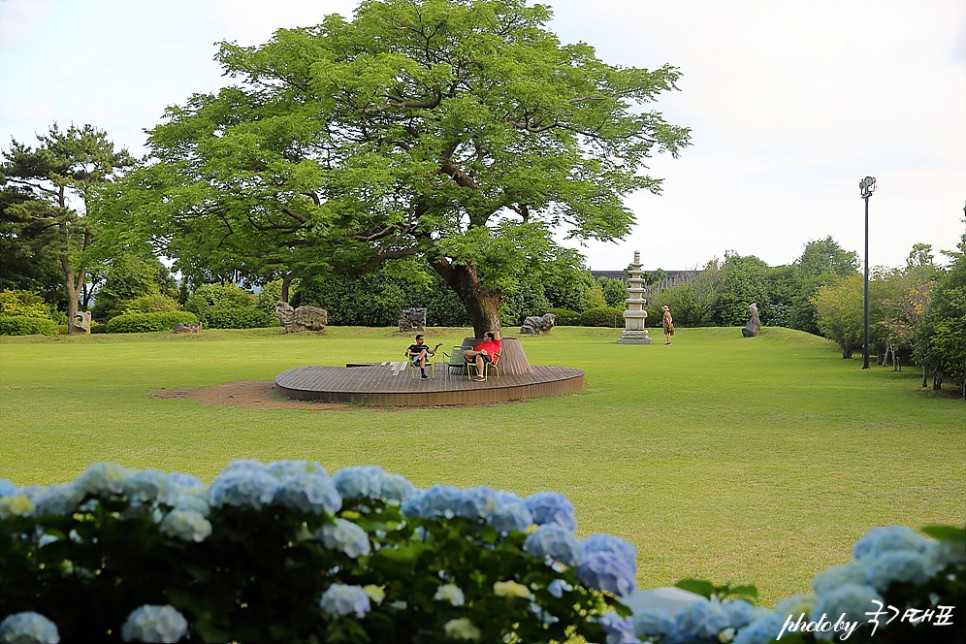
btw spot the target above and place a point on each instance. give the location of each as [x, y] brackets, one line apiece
[635, 316]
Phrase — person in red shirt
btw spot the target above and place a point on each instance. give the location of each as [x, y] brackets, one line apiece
[483, 352]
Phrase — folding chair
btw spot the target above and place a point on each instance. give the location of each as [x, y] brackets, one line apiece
[487, 367]
[456, 360]
[414, 366]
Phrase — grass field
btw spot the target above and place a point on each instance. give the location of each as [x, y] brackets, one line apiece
[744, 460]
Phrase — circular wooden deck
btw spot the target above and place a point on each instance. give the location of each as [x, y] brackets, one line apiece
[390, 384]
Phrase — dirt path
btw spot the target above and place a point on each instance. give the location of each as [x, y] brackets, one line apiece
[252, 394]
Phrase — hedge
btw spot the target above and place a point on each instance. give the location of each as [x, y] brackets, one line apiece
[240, 318]
[147, 322]
[607, 316]
[25, 325]
[566, 317]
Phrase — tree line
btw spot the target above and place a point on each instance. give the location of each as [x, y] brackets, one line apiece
[426, 150]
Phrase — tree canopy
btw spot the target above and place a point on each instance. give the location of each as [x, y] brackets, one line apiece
[51, 192]
[461, 131]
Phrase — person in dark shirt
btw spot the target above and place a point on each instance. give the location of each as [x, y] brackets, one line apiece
[419, 353]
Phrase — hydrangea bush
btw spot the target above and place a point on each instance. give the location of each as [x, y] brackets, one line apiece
[285, 553]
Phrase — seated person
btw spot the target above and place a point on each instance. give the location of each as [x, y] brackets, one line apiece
[419, 353]
[483, 352]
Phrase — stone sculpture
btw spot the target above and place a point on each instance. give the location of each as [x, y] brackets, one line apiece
[189, 327]
[81, 323]
[411, 320]
[538, 324]
[753, 328]
[635, 317]
[303, 318]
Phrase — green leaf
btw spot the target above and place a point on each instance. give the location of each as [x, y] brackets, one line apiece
[945, 532]
[697, 586]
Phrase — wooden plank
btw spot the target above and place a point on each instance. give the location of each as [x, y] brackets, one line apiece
[380, 385]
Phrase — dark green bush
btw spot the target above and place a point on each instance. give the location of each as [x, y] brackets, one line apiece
[602, 316]
[25, 325]
[147, 322]
[566, 317]
[239, 318]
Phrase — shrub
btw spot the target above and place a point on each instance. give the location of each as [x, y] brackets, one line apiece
[155, 303]
[25, 325]
[607, 316]
[566, 317]
[148, 322]
[284, 553]
[238, 318]
[23, 303]
[208, 297]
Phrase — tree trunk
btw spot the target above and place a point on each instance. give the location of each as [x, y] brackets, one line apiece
[74, 285]
[482, 303]
[286, 281]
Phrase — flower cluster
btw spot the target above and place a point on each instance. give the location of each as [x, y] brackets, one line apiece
[892, 565]
[202, 560]
[284, 552]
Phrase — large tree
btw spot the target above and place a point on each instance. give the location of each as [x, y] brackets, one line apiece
[60, 178]
[459, 130]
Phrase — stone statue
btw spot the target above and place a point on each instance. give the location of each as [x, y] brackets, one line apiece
[753, 328]
[411, 320]
[304, 318]
[190, 327]
[81, 324]
[538, 324]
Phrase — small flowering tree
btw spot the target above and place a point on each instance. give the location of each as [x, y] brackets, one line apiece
[284, 553]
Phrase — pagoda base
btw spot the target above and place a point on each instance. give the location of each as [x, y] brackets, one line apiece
[634, 337]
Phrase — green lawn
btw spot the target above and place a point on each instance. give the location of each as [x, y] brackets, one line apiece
[744, 460]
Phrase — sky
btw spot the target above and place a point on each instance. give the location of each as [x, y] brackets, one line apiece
[790, 104]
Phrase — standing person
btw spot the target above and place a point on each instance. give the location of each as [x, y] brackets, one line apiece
[483, 352]
[668, 325]
[419, 353]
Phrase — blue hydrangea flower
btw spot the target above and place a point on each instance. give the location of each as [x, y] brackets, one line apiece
[619, 630]
[893, 537]
[606, 571]
[242, 486]
[7, 488]
[310, 493]
[359, 482]
[451, 594]
[59, 499]
[395, 487]
[286, 468]
[552, 507]
[437, 501]
[741, 613]
[510, 515]
[150, 486]
[850, 601]
[346, 537]
[103, 479]
[185, 481]
[194, 499]
[610, 543]
[897, 566]
[477, 503]
[701, 620]
[654, 623]
[943, 553]
[553, 542]
[28, 628]
[154, 624]
[828, 580]
[343, 600]
[558, 587]
[763, 630]
[186, 525]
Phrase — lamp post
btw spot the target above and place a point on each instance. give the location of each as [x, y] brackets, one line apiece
[866, 188]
